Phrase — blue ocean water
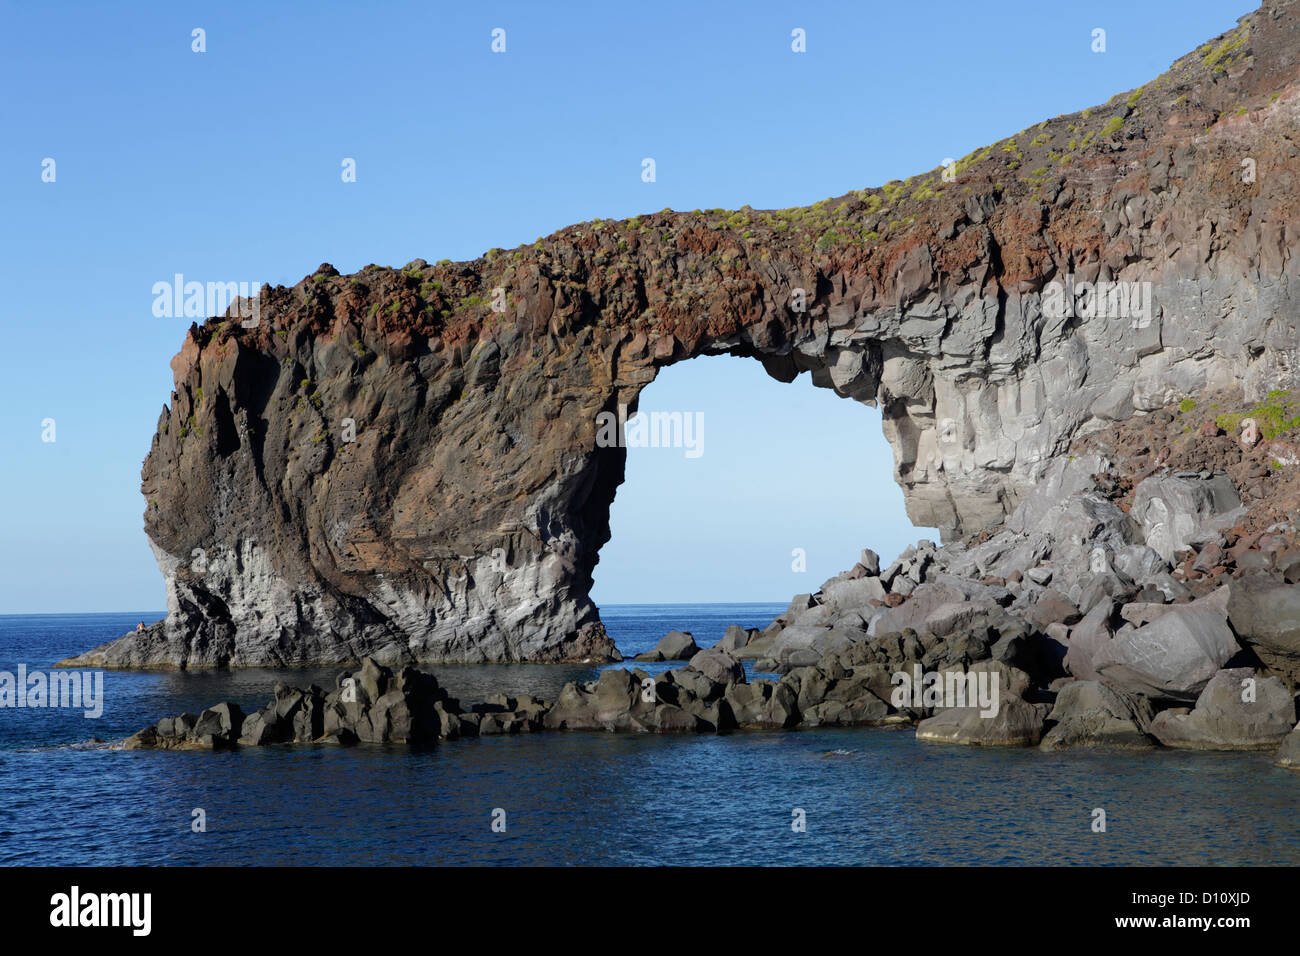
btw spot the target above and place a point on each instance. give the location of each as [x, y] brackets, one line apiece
[870, 796]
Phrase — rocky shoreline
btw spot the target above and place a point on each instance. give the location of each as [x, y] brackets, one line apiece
[1109, 613]
[374, 705]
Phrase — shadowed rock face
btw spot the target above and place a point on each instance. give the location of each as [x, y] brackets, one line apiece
[463, 521]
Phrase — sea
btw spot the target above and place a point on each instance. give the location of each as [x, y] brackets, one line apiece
[854, 796]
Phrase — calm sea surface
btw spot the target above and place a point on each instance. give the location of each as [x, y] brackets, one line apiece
[870, 796]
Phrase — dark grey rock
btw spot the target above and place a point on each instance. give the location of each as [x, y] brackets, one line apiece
[1172, 657]
[1091, 714]
[1223, 720]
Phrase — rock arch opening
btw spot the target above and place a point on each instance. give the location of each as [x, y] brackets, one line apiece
[782, 487]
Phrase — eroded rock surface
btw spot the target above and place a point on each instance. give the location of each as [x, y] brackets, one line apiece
[404, 464]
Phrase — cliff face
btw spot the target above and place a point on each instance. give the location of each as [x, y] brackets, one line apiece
[386, 465]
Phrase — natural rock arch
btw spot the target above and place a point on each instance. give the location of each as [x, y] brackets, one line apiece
[464, 520]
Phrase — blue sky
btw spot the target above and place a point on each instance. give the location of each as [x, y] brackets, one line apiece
[225, 165]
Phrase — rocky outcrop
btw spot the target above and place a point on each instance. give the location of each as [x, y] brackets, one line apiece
[406, 464]
[373, 705]
[1174, 656]
[977, 659]
[1093, 714]
[1265, 611]
[673, 646]
[1012, 722]
[1236, 711]
[1288, 755]
[1155, 638]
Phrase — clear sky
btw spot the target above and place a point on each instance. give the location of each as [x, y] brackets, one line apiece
[225, 165]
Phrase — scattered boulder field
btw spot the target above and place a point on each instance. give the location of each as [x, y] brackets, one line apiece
[1116, 607]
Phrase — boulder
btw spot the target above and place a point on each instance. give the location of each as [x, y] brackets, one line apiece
[718, 666]
[1175, 511]
[1090, 714]
[265, 727]
[695, 683]
[1265, 613]
[1063, 478]
[1052, 607]
[372, 680]
[845, 594]
[1172, 657]
[146, 739]
[954, 615]
[219, 725]
[673, 646]
[798, 604]
[1084, 640]
[1237, 711]
[1288, 755]
[619, 701]
[763, 704]
[912, 613]
[860, 711]
[1016, 724]
[309, 717]
[809, 684]
[1138, 563]
[735, 638]
[798, 645]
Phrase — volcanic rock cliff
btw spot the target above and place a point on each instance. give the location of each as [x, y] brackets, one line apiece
[403, 463]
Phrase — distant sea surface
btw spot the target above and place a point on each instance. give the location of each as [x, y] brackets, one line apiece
[870, 796]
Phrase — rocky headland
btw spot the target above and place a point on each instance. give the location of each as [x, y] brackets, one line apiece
[1083, 341]
[1112, 609]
